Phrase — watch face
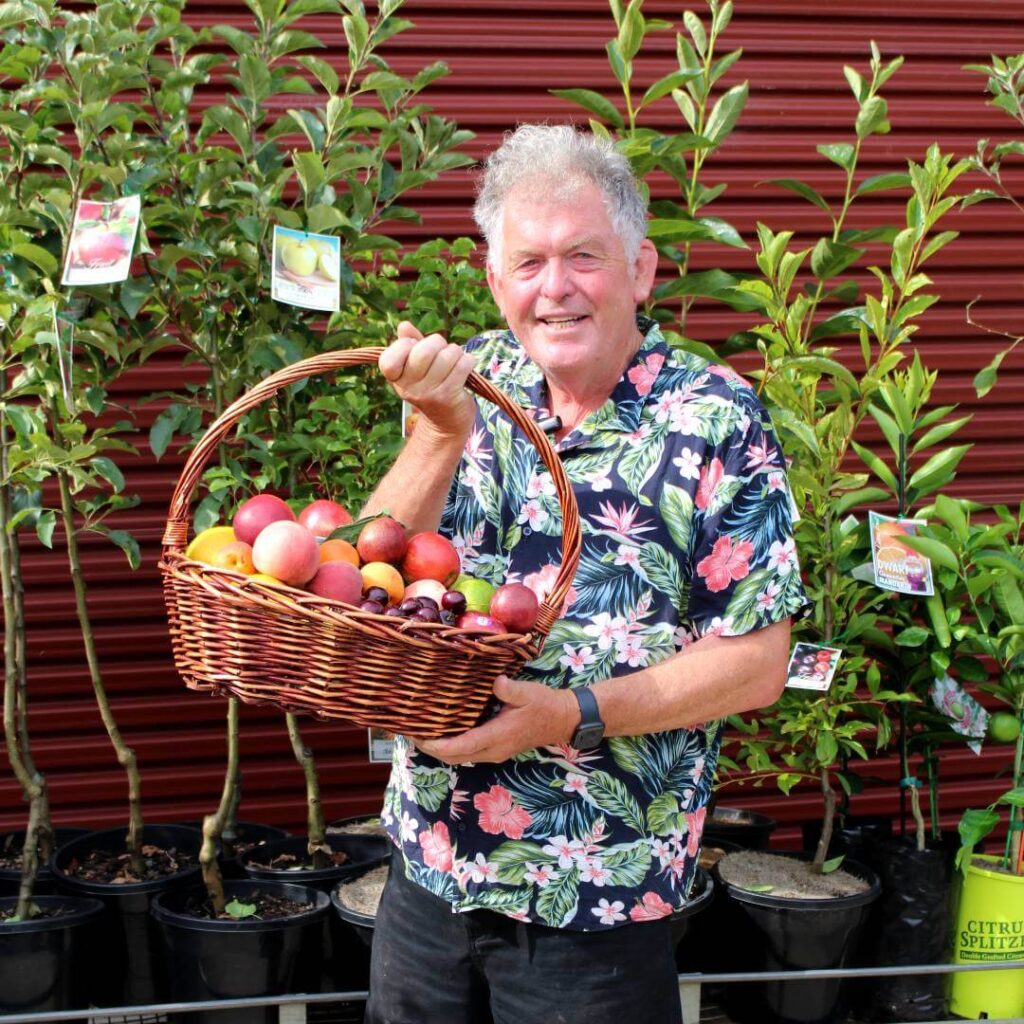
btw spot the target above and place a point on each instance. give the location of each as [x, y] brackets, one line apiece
[588, 736]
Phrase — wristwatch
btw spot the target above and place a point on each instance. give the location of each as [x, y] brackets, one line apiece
[590, 731]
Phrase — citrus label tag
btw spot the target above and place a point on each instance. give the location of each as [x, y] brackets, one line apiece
[306, 269]
[101, 243]
[812, 667]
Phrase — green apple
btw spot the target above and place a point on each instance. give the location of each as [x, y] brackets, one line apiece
[299, 257]
[328, 264]
[478, 593]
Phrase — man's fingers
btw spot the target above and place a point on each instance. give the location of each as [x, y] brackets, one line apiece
[406, 329]
[393, 359]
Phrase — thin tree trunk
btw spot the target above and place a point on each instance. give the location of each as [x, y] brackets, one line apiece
[125, 754]
[318, 848]
[221, 825]
[826, 823]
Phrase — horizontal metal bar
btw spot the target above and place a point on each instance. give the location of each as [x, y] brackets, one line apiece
[840, 972]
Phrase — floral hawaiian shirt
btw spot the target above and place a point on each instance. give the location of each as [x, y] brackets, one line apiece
[686, 523]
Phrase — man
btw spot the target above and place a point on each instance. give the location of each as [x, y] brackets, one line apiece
[541, 855]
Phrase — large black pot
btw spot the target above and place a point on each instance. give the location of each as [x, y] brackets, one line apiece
[247, 833]
[909, 924]
[10, 878]
[705, 946]
[851, 838]
[747, 829]
[235, 959]
[776, 933]
[44, 960]
[131, 971]
[701, 896]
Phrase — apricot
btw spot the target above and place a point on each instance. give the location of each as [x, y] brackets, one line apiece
[236, 556]
[380, 574]
[339, 551]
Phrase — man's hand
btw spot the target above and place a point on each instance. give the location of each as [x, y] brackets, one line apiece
[533, 715]
[430, 373]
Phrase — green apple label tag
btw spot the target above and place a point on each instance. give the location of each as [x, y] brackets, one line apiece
[306, 269]
[812, 667]
[102, 240]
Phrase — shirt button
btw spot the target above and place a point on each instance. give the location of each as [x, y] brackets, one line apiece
[527, 531]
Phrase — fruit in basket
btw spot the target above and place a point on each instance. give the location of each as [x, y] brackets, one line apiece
[433, 589]
[429, 556]
[323, 517]
[477, 593]
[257, 513]
[339, 551]
[478, 623]
[287, 551]
[340, 581]
[453, 601]
[236, 556]
[516, 606]
[387, 577]
[263, 577]
[208, 542]
[382, 540]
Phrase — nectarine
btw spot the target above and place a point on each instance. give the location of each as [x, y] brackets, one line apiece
[429, 556]
[287, 551]
[323, 517]
[257, 513]
[382, 540]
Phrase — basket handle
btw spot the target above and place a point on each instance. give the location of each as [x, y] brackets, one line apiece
[176, 530]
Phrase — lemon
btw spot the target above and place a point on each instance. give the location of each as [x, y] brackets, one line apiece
[1003, 727]
[207, 543]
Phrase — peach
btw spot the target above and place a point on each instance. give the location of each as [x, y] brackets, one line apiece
[426, 588]
[516, 606]
[382, 540]
[429, 556]
[323, 517]
[340, 581]
[287, 551]
[257, 513]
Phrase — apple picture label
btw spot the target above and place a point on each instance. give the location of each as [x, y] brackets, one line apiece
[306, 269]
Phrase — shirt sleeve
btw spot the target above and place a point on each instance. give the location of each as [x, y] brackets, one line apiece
[745, 574]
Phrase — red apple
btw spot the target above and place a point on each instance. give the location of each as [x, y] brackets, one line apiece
[381, 540]
[516, 606]
[478, 623]
[323, 517]
[287, 551]
[340, 581]
[430, 556]
[257, 513]
[99, 246]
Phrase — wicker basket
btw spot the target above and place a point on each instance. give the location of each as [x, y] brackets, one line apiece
[309, 655]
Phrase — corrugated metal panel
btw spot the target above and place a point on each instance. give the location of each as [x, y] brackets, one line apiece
[504, 59]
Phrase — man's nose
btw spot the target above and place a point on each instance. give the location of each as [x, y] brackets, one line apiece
[557, 279]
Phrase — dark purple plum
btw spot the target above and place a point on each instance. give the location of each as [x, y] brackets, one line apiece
[378, 594]
[454, 602]
[372, 606]
[410, 606]
[428, 615]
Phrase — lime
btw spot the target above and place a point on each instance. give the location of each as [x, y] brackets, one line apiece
[478, 593]
[1003, 727]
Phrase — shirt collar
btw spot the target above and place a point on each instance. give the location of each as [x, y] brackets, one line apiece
[621, 412]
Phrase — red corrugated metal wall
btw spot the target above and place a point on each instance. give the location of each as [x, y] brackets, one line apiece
[504, 58]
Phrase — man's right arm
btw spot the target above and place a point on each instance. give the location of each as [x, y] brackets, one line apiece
[430, 373]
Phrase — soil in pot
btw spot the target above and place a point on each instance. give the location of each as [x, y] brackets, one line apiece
[44, 960]
[274, 950]
[10, 862]
[358, 825]
[133, 971]
[772, 932]
[248, 836]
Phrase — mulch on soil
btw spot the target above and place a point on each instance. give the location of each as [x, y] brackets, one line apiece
[109, 868]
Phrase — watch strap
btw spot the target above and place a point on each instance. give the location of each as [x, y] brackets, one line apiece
[590, 731]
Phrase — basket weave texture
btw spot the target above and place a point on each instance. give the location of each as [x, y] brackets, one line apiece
[309, 655]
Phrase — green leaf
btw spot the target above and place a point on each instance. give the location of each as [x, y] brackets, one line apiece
[883, 183]
[37, 255]
[841, 153]
[871, 119]
[239, 910]
[45, 525]
[934, 550]
[109, 471]
[939, 467]
[665, 85]
[128, 544]
[832, 864]
[913, 636]
[830, 258]
[593, 102]
[726, 113]
[801, 189]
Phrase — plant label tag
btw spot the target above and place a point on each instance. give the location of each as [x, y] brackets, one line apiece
[382, 745]
[306, 269]
[409, 416]
[812, 667]
[966, 716]
[896, 566]
[102, 240]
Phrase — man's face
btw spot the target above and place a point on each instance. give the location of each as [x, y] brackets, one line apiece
[566, 288]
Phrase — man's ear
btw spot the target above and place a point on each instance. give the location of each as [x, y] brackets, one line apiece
[644, 270]
[494, 282]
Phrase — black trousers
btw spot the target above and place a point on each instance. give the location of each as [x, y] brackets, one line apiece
[430, 966]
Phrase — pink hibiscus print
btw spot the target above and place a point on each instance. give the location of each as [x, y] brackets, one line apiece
[650, 908]
[643, 375]
[710, 477]
[499, 815]
[727, 562]
[695, 826]
[437, 847]
[542, 582]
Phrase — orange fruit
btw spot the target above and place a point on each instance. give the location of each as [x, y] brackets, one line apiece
[338, 551]
[207, 543]
[380, 574]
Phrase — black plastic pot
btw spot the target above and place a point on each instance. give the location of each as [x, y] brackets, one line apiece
[773, 933]
[43, 961]
[851, 838]
[701, 896]
[705, 946]
[235, 959]
[246, 832]
[747, 829]
[130, 973]
[10, 878]
[909, 924]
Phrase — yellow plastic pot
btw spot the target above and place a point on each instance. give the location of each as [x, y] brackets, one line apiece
[989, 929]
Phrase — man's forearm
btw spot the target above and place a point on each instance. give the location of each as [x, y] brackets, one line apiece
[715, 677]
[414, 490]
